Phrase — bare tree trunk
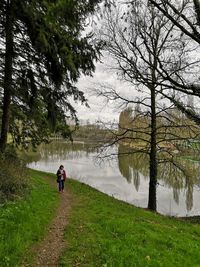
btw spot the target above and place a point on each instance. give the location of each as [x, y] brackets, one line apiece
[153, 155]
[7, 76]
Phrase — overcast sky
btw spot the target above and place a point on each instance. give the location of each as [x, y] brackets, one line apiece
[99, 108]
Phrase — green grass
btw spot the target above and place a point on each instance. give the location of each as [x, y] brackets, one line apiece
[25, 221]
[105, 232]
[101, 232]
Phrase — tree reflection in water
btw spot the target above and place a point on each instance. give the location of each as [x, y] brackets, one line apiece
[179, 175]
[60, 150]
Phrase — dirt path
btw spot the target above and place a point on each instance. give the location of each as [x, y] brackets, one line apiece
[50, 249]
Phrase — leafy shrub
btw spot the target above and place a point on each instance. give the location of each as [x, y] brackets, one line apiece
[13, 176]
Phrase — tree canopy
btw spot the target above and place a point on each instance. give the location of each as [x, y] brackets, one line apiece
[43, 53]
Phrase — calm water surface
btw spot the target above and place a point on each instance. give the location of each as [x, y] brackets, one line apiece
[125, 178]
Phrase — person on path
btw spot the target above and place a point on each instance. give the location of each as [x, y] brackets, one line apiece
[61, 177]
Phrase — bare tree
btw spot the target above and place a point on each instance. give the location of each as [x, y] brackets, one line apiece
[185, 15]
[140, 39]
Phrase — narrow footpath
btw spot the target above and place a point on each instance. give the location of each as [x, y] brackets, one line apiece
[48, 252]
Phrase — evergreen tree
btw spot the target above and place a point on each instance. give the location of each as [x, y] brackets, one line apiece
[42, 56]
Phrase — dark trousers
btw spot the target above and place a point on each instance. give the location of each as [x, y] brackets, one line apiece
[61, 185]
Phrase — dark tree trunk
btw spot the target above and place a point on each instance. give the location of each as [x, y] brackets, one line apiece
[7, 76]
[153, 155]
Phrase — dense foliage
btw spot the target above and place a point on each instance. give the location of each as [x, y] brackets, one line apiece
[43, 53]
[13, 177]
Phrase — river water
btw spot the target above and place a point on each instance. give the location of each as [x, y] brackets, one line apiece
[125, 177]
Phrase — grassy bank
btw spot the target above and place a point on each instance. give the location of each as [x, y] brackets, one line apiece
[105, 232]
[24, 221]
[102, 231]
